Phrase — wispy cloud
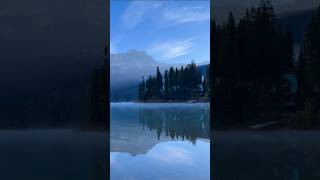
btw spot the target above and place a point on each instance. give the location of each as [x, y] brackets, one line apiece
[166, 13]
[171, 49]
[136, 12]
[185, 14]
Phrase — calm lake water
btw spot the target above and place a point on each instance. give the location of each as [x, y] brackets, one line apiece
[160, 141]
[59, 154]
[270, 155]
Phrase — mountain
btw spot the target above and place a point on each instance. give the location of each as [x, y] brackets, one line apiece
[127, 70]
[130, 67]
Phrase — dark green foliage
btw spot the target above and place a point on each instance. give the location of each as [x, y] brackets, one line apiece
[159, 84]
[309, 116]
[142, 90]
[249, 61]
[310, 58]
[166, 85]
[181, 84]
[308, 97]
[206, 84]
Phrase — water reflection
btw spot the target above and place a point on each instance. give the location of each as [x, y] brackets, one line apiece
[159, 141]
[178, 123]
[169, 160]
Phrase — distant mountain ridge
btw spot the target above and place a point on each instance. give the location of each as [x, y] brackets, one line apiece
[127, 70]
[130, 66]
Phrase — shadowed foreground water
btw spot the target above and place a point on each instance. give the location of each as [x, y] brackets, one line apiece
[159, 141]
[288, 155]
[53, 155]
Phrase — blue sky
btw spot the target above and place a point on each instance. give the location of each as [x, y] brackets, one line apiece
[170, 31]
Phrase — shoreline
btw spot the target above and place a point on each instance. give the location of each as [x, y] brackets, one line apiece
[134, 102]
[276, 129]
[265, 131]
[162, 102]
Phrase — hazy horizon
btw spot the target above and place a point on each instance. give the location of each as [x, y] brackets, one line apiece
[142, 51]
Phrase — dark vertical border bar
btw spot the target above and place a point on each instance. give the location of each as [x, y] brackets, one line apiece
[211, 87]
[107, 87]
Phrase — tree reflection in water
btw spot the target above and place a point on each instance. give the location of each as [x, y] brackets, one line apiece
[177, 123]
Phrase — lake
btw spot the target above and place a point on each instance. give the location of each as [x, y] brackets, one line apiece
[160, 141]
[265, 155]
[55, 154]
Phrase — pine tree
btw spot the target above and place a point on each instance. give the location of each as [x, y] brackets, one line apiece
[142, 90]
[171, 82]
[180, 80]
[149, 88]
[309, 62]
[249, 60]
[229, 49]
[312, 51]
[288, 51]
[178, 84]
[159, 84]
